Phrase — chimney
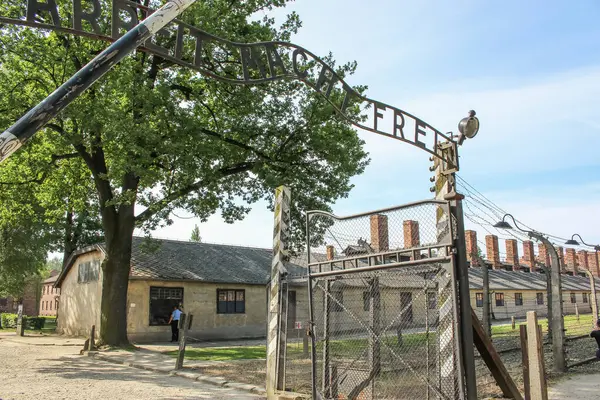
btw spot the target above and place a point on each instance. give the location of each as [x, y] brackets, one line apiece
[583, 259]
[379, 232]
[411, 234]
[571, 261]
[330, 252]
[543, 255]
[512, 253]
[561, 258]
[471, 244]
[529, 255]
[492, 251]
[593, 263]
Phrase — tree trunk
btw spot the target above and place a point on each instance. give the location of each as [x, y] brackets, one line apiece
[115, 281]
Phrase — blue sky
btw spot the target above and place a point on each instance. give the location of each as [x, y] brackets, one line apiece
[531, 70]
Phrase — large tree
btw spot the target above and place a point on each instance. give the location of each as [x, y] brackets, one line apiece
[155, 136]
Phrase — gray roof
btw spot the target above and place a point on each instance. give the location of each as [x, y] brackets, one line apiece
[521, 280]
[160, 259]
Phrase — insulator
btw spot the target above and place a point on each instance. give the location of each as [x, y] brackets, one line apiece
[432, 168]
[432, 189]
[432, 179]
[431, 158]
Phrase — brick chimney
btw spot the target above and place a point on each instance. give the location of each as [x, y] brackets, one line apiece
[593, 263]
[571, 261]
[561, 258]
[582, 256]
[379, 232]
[543, 255]
[512, 253]
[411, 234]
[330, 251]
[529, 255]
[471, 243]
[492, 251]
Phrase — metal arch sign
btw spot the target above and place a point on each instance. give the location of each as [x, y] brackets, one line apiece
[242, 63]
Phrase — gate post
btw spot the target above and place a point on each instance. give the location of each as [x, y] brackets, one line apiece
[464, 359]
[277, 311]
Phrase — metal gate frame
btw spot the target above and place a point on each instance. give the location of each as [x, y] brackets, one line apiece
[447, 256]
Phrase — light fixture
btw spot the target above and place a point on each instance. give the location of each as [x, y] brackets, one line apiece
[468, 127]
[573, 242]
[505, 225]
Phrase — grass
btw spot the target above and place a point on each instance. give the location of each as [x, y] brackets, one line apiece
[572, 326]
[223, 353]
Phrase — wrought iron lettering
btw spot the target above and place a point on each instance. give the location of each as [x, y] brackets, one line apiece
[245, 64]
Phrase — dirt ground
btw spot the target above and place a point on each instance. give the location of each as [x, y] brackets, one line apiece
[59, 372]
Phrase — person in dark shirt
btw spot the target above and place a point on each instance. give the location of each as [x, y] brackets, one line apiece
[596, 335]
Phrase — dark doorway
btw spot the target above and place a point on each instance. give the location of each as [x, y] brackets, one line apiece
[291, 317]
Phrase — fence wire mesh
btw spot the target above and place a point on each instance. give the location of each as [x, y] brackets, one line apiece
[383, 304]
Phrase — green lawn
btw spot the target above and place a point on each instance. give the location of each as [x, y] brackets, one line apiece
[572, 326]
[223, 353]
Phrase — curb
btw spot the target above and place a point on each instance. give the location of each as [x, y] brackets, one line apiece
[212, 380]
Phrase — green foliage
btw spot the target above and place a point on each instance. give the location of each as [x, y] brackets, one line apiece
[8, 320]
[195, 236]
[151, 136]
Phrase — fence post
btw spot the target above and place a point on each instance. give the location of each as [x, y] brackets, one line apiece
[577, 312]
[537, 378]
[512, 321]
[182, 340]
[20, 325]
[276, 340]
[593, 302]
[525, 360]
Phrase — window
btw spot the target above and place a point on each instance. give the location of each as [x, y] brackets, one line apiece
[162, 301]
[479, 299]
[585, 297]
[50, 305]
[88, 271]
[42, 306]
[56, 304]
[44, 290]
[337, 301]
[431, 300]
[231, 301]
[518, 299]
[573, 298]
[366, 301]
[499, 299]
[539, 297]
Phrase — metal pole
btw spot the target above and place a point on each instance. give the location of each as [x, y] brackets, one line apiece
[593, 302]
[558, 325]
[486, 320]
[15, 136]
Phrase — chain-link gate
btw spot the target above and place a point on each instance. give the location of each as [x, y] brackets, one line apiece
[383, 311]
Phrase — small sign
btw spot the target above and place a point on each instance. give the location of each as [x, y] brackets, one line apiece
[132, 305]
[298, 325]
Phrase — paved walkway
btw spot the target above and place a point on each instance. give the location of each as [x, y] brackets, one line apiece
[580, 387]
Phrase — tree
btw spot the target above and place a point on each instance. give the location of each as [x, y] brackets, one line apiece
[155, 137]
[195, 237]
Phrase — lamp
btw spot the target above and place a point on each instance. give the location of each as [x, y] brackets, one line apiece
[468, 127]
[573, 242]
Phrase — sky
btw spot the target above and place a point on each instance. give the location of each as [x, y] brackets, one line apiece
[531, 70]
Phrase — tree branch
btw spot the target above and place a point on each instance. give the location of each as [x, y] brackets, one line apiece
[42, 177]
[184, 191]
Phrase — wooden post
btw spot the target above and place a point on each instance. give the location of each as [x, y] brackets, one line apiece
[492, 359]
[183, 328]
[577, 312]
[537, 378]
[525, 360]
[93, 338]
[512, 321]
[593, 300]
[20, 325]
[486, 314]
[276, 333]
[305, 345]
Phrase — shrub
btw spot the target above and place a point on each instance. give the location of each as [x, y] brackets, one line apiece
[8, 320]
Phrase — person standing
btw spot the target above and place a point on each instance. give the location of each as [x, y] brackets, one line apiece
[596, 335]
[174, 322]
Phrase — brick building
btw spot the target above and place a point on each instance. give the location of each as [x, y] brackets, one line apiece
[49, 298]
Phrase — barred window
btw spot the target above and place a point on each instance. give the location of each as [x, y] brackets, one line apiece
[162, 301]
[479, 299]
[539, 298]
[337, 301]
[573, 298]
[231, 301]
[88, 272]
[499, 299]
[585, 297]
[518, 299]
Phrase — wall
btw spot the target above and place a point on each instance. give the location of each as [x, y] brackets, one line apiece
[200, 299]
[79, 306]
[529, 303]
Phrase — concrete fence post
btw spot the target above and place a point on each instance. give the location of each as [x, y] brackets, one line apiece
[537, 374]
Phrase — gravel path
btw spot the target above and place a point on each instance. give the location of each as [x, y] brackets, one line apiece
[59, 372]
[582, 387]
